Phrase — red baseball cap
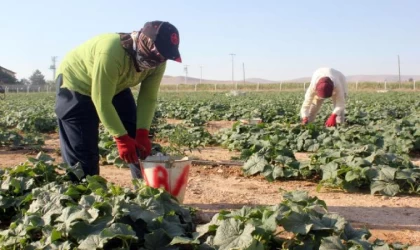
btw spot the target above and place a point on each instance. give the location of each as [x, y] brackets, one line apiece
[324, 87]
[165, 37]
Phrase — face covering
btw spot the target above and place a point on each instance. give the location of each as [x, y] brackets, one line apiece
[142, 50]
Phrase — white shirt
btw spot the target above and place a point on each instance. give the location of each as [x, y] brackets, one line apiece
[339, 95]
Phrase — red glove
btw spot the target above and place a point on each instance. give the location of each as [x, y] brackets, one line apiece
[331, 121]
[145, 145]
[127, 148]
[305, 120]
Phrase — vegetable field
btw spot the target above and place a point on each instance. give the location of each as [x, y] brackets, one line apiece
[270, 185]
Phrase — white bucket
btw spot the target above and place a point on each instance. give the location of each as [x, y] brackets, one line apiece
[168, 173]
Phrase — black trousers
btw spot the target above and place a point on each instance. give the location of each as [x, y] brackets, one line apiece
[78, 124]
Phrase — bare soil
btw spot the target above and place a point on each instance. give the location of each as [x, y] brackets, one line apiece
[211, 188]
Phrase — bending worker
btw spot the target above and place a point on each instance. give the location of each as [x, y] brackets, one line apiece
[325, 83]
[94, 83]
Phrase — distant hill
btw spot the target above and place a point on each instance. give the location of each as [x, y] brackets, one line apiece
[366, 78]
[351, 78]
[191, 80]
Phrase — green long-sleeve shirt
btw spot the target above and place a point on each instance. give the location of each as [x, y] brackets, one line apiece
[101, 68]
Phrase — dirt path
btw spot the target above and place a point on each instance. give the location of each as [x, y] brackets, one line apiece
[213, 188]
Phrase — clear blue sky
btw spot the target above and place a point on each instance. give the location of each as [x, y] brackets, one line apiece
[276, 39]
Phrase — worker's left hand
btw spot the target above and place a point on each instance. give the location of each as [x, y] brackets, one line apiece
[145, 145]
[331, 121]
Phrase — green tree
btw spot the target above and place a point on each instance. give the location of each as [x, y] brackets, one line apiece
[24, 81]
[7, 78]
[37, 78]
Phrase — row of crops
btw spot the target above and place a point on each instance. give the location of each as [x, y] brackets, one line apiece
[42, 209]
[371, 152]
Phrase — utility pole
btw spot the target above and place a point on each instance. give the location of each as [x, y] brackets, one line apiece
[233, 77]
[399, 71]
[186, 72]
[243, 69]
[201, 73]
[52, 67]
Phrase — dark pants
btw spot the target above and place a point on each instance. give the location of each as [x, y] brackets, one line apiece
[78, 124]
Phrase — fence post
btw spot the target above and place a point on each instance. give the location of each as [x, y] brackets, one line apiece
[304, 86]
[357, 85]
[258, 86]
[385, 84]
[215, 86]
[195, 87]
[414, 84]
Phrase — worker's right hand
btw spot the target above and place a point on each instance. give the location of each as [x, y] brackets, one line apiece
[127, 148]
[305, 120]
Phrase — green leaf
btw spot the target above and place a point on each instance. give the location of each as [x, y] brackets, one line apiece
[269, 220]
[55, 235]
[364, 244]
[66, 245]
[255, 164]
[296, 222]
[297, 196]
[351, 233]
[119, 230]
[96, 182]
[332, 243]
[172, 229]
[81, 229]
[329, 171]
[230, 235]
[157, 240]
[352, 175]
[71, 214]
[384, 188]
[331, 221]
[387, 174]
[178, 240]
[92, 242]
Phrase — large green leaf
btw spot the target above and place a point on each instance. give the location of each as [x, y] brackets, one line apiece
[330, 222]
[296, 222]
[157, 240]
[81, 229]
[231, 235]
[72, 214]
[178, 240]
[255, 164]
[171, 229]
[332, 243]
[329, 171]
[351, 233]
[385, 188]
[119, 230]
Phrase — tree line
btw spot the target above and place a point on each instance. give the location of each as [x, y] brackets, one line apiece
[37, 78]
